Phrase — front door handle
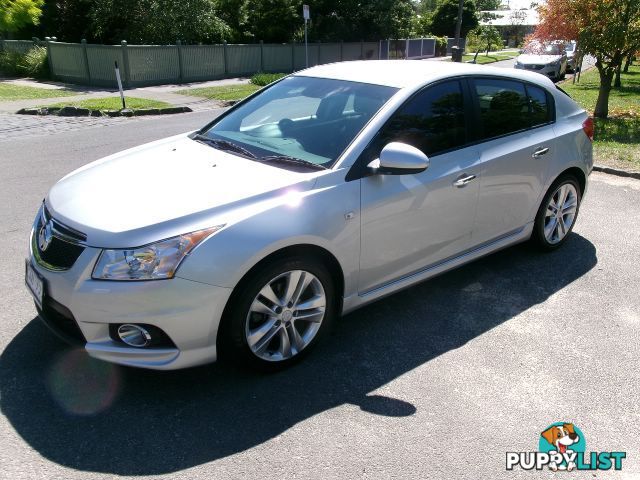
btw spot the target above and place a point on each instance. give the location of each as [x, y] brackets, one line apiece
[463, 180]
[540, 151]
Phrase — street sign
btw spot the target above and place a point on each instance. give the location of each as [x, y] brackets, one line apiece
[307, 16]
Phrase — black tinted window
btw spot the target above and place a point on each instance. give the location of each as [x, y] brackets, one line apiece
[432, 121]
[539, 105]
[503, 107]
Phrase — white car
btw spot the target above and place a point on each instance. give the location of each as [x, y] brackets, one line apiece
[323, 192]
[549, 59]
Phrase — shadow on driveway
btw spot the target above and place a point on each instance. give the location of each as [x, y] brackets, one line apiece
[93, 416]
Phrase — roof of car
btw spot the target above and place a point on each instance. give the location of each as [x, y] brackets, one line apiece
[409, 73]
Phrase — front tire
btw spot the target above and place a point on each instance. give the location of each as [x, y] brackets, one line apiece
[557, 213]
[279, 314]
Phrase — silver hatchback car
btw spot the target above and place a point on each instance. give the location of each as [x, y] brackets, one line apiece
[325, 191]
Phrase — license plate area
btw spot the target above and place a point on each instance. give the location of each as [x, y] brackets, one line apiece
[35, 282]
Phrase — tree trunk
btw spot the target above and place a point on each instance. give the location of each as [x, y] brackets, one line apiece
[617, 83]
[602, 104]
[628, 62]
[459, 22]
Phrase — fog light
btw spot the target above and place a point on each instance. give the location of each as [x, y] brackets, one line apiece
[134, 335]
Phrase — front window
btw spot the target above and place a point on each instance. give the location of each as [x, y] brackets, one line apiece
[304, 118]
[433, 121]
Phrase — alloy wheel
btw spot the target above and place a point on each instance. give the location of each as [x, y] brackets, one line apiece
[560, 213]
[285, 315]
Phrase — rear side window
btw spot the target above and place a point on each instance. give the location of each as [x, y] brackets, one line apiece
[539, 104]
[504, 107]
[432, 121]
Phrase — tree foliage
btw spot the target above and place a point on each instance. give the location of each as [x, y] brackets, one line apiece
[157, 21]
[607, 29]
[267, 20]
[193, 21]
[17, 14]
[444, 18]
[353, 20]
[483, 5]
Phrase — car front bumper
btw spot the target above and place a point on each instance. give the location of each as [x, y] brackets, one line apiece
[79, 308]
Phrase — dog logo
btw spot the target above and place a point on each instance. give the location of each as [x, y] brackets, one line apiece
[45, 235]
[562, 437]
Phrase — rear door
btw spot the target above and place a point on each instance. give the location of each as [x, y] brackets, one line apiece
[516, 148]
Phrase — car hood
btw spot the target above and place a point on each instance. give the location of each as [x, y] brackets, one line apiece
[538, 59]
[162, 189]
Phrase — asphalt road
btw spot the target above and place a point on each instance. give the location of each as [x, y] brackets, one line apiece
[438, 381]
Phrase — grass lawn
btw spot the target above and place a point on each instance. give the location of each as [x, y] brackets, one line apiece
[492, 57]
[9, 91]
[113, 103]
[617, 139]
[223, 93]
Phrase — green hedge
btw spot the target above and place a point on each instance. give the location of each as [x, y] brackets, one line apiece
[33, 63]
[262, 79]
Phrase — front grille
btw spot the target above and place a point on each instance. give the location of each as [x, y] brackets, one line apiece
[534, 67]
[61, 321]
[60, 254]
[63, 247]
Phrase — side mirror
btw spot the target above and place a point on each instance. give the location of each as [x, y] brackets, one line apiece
[399, 159]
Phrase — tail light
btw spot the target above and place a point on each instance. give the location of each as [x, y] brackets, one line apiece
[589, 128]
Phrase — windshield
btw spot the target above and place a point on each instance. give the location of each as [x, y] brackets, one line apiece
[535, 48]
[569, 47]
[305, 118]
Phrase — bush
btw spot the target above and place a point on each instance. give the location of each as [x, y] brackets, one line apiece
[441, 46]
[9, 63]
[262, 79]
[33, 63]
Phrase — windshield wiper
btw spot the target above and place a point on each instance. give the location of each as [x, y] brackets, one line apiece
[286, 159]
[224, 145]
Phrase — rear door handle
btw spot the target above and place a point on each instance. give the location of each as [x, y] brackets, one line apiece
[463, 180]
[540, 151]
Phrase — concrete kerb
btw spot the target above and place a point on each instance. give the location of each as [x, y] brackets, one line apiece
[616, 171]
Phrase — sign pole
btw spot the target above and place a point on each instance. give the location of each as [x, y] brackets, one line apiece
[124, 106]
[306, 15]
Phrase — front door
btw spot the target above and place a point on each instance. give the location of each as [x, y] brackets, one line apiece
[411, 221]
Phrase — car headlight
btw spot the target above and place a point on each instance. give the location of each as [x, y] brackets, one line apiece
[155, 261]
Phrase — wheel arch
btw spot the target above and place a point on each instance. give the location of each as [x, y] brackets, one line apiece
[576, 172]
[305, 250]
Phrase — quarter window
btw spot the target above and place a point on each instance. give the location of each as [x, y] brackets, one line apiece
[432, 121]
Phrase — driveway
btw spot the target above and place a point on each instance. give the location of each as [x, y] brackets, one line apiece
[438, 381]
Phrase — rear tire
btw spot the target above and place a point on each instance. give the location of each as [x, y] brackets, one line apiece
[279, 314]
[557, 214]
